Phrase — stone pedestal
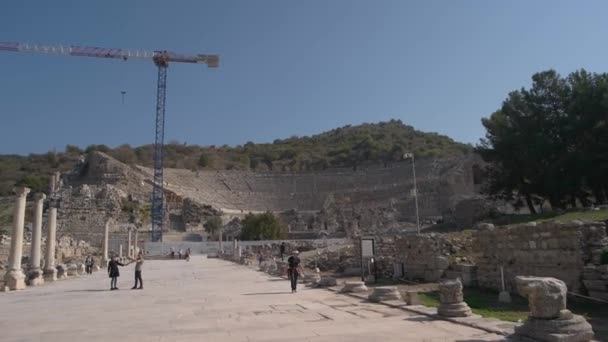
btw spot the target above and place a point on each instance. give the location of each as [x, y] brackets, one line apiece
[14, 279]
[34, 273]
[72, 270]
[50, 273]
[383, 293]
[354, 287]
[312, 278]
[549, 320]
[327, 282]
[452, 300]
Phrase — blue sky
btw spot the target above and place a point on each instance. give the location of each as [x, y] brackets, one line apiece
[287, 67]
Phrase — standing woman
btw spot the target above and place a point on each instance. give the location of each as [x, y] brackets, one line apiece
[138, 263]
[113, 272]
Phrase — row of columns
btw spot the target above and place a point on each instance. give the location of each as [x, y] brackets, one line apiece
[132, 245]
[15, 279]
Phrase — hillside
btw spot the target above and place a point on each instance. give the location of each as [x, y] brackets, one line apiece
[347, 146]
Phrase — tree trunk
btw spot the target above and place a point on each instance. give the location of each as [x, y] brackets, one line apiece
[573, 201]
[530, 204]
[584, 201]
[598, 193]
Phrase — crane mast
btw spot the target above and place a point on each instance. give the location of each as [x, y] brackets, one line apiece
[161, 59]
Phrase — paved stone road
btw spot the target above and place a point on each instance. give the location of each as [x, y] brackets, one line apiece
[208, 300]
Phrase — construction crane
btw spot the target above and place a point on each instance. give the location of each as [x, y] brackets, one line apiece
[161, 59]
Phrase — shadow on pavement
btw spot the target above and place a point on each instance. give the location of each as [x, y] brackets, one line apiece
[265, 293]
[92, 290]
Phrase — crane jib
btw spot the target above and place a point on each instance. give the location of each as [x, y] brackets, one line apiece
[9, 46]
[161, 59]
[98, 52]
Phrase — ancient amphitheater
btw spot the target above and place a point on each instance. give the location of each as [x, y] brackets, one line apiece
[333, 202]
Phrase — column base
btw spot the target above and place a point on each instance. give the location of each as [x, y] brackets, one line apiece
[50, 274]
[14, 280]
[35, 278]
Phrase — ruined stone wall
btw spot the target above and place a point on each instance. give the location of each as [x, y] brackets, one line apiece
[84, 210]
[67, 249]
[550, 249]
[424, 257]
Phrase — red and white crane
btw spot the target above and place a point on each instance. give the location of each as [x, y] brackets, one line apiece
[161, 59]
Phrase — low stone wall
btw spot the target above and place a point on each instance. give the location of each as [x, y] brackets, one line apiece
[67, 249]
[567, 251]
[550, 249]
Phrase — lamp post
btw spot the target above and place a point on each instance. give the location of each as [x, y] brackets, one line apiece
[409, 155]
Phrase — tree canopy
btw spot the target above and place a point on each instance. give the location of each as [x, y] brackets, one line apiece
[348, 146]
[264, 226]
[548, 142]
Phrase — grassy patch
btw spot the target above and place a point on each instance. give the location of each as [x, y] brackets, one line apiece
[485, 303]
[596, 215]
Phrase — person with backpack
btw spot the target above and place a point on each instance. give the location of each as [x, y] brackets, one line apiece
[293, 271]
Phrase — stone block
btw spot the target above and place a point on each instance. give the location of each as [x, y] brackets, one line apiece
[354, 287]
[327, 282]
[546, 296]
[62, 271]
[411, 298]
[35, 278]
[72, 270]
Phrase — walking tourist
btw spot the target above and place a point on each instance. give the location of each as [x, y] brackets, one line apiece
[138, 263]
[180, 253]
[282, 250]
[89, 263]
[293, 271]
[113, 272]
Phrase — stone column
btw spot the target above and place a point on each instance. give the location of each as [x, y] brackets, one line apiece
[120, 251]
[14, 278]
[129, 255]
[136, 243]
[34, 274]
[50, 273]
[221, 242]
[106, 235]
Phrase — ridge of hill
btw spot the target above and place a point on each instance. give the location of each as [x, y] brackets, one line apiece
[347, 146]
